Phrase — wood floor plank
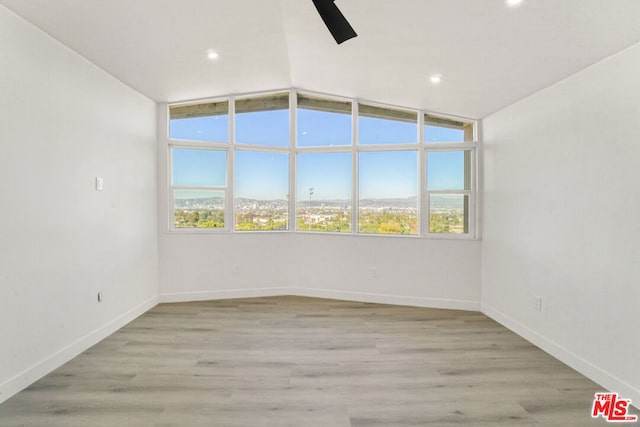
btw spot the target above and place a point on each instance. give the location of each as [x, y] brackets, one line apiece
[294, 361]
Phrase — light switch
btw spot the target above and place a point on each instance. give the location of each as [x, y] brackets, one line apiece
[99, 183]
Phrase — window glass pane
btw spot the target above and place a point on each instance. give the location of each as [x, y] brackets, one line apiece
[198, 209]
[200, 122]
[262, 190]
[448, 170]
[323, 122]
[388, 192]
[378, 125]
[448, 213]
[442, 134]
[263, 120]
[437, 129]
[324, 192]
[199, 167]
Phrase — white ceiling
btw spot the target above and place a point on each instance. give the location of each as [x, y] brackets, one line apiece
[489, 55]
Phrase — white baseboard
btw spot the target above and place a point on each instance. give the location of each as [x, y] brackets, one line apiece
[34, 373]
[223, 294]
[452, 304]
[322, 293]
[586, 368]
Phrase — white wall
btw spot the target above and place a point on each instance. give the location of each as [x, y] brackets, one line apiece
[561, 220]
[62, 122]
[414, 271]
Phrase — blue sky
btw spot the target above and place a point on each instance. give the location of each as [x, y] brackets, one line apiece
[199, 167]
[264, 175]
[445, 170]
[270, 128]
[211, 129]
[317, 128]
[329, 174]
[388, 174]
[378, 131]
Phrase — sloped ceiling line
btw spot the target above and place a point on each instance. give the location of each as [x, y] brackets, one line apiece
[489, 55]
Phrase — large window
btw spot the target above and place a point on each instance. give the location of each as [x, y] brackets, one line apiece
[299, 161]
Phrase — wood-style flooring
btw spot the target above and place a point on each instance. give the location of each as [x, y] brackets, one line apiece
[294, 361]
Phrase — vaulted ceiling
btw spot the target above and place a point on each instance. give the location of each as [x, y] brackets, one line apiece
[489, 55]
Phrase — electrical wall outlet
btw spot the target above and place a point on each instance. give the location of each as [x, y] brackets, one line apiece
[374, 272]
[537, 303]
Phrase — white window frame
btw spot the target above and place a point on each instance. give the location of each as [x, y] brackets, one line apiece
[426, 201]
[199, 145]
[420, 146]
[234, 146]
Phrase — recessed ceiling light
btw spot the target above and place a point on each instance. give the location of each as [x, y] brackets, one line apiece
[513, 3]
[211, 54]
[435, 79]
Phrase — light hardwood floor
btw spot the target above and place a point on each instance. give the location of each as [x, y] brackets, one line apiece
[293, 361]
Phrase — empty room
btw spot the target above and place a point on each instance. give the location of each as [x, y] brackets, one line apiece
[319, 213]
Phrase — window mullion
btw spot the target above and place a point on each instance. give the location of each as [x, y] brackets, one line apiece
[355, 183]
[422, 179]
[388, 207]
[293, 124]
[230, 211]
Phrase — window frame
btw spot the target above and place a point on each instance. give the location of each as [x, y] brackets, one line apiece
[260, 149]
[426, 201]
[390, 148]
[312, 150]
[293, 150]
[172, 187]
[200, 145]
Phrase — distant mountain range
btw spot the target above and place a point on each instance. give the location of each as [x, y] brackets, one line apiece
[200, 203]
[406, 202]
[441, 202]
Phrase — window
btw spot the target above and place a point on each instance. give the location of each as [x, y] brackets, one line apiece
[449, 191]
[298, 161]
[198, 182]
[324, 192]
[263, 120]
[388, 202]
[200, 122]
[438, 129]
[377, 125]
[262, 190]
[323, 122]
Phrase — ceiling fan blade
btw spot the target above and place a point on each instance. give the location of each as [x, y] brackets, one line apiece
[335, 21]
